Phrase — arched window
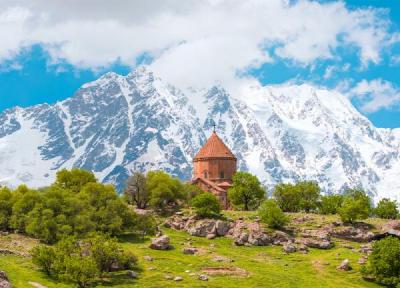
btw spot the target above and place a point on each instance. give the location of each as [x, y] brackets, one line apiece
[222, 175]
[205, 174]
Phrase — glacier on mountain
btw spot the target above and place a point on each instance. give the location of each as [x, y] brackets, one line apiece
[120, 124]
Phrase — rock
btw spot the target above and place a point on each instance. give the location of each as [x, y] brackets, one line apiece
[392, 228]
[366, 249]
[203, 277]
[345, 265]
[259, 238]
[131, 274]
[302, 248]
[211, 236]
[168, 277]
[202, 228]
[221, 228]
[222, 259]
[241, 239]
[289, 247]
[316, 243]
[363, 260]
[161, 243]
[4, 282]
[360, 234]
[148, 258]
[190, 250]
[178, 278]
[279, 238]
[179, 213]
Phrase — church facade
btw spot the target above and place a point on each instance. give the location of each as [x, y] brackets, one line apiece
[213, 168]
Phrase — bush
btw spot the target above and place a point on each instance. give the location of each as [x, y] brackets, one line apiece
[384, 262]
[246, 192]
[270, 213]
[81, 261]
[330, 204]
[386, 209]
[356, 206]
[191, 191]
[206, 205]
[145, 225]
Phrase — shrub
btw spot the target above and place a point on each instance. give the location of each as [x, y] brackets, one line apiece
[330, 204]
[246, 192]
[206, 205]
[145, 225]
[386, 209]
[356, 206]
[384, 262]
[44, 256]
[270, 213]
[191, 191]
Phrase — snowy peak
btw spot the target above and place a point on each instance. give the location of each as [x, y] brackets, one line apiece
[119, 124]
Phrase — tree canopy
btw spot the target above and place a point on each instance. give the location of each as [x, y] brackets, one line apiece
[246, 192]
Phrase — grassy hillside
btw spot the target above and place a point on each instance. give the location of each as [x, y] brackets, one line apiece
[252, 266]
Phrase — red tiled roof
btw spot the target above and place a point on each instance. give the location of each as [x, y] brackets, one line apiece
[209, 183]
[214, 148]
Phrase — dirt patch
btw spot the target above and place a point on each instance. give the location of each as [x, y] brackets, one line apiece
[318, 265]
[232, 271]
[37, 285]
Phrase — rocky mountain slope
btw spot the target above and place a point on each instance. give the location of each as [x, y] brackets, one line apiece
[119, 124]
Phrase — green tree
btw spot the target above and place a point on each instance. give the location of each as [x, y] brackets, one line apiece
[5, 208]
[145, 225]
[384, 262]
[136, 190]
[164, 189]
[270, 213]
[74, 179]
[330, 204]
[44, 256]
[206, 205]
[356, 206]
[386, 209]
[24, 200]
[287, 197]
[309, 195]
[80, 270]
[191, 191]
[246, 192]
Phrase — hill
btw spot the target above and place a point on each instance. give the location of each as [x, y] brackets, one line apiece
[225, 264]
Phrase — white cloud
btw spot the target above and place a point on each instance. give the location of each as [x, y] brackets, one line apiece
[375, 95]
[192, 42]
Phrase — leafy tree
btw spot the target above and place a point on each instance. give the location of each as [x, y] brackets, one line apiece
[44, 256]
[191, 191]
[386, 209]
[107, 210]
[80, 270]
[136, 190]
[287, 197]
[74, 179]
[24, 200]
[270, 213]
[356, 206]
[384, 262]
[5, 208]
[146, 225]
[330, 204]
[206, 205]
[309, 195]
[164, 189]
[246, 191]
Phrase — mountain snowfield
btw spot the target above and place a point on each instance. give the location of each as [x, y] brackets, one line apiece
[120, 124]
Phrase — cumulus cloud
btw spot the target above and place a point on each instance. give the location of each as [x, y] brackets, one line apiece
[375, 95]
[192, 43]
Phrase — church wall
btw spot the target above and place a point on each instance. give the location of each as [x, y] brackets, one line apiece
[214, 167]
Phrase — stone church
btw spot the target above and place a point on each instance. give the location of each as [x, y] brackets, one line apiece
[214, 166]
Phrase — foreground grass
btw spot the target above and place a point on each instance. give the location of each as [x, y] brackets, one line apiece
[261, 266]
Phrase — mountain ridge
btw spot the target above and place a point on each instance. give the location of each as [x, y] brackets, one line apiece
[119, 124]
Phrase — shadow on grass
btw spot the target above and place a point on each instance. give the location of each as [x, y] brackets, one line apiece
[133, 238]
[120, 278]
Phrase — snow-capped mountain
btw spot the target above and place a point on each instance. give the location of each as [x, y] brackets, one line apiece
[120, 124]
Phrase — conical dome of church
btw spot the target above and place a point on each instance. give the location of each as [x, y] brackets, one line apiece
[214, 148]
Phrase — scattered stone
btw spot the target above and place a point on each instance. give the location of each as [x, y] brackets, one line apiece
[131, 274]
[190, 250]
[148, 258]
[178, 278]
[179, 213]
[36, 285]
[302, 248]
[4, 282]
[357, 234]
[168, 277]
[344, 266]
[161, 243]
[221, 227]
[363, 260]
[203, 277]
[366, 249]
[211, 236]
[222, 259]
[315, 243]
[289, 247]
[151, 268]
[187, 271]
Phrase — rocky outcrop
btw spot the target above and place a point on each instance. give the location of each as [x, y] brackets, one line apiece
[315, 239]
[4, 281]
[392, 228]
[161, 243]
[357, 234]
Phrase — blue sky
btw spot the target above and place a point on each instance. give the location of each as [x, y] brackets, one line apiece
[51, 49]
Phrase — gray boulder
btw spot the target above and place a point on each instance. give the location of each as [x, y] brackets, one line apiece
[161, 243]
[4, 281]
